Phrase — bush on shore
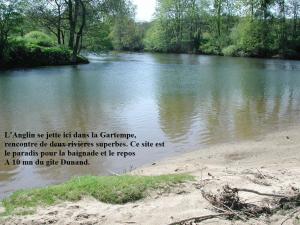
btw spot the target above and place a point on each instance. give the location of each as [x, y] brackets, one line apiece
[39, 38]
[35, 49]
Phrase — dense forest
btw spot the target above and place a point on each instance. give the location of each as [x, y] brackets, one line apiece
[41, 32]
[261, 28]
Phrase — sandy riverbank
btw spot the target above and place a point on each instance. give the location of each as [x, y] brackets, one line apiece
[269, 165]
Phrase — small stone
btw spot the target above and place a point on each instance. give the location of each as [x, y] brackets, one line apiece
[53, 213]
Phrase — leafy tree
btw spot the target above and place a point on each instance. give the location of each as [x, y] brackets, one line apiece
[247, 37]
[51, 15]
[261, 28]
[97, 37]
[155, 39]
[10, 19]
[293, 9]
[127, 35]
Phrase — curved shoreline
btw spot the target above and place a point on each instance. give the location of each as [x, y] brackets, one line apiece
[277, 141]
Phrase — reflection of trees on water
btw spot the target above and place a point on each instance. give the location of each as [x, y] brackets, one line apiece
[83, 115]
[267, 101]
[92, 106]
[200, 99]
[176, 102]
[64, 103]
[251, 110]
[73, 105]
[217, 104]
[6, 102]
[175, 114]
[234, 98]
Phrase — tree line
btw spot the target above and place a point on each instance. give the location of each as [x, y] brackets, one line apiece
[261, 28]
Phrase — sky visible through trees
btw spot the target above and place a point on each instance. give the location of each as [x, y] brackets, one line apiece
[144, 10]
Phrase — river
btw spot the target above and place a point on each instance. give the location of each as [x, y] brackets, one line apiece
[187, 101]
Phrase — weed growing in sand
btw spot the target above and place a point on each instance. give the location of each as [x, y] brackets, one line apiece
[113, 189]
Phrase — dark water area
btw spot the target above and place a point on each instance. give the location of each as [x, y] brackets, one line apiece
[188, 101]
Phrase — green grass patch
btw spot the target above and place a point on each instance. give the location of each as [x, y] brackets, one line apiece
[113, 189]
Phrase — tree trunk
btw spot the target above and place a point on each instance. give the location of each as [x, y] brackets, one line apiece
[252, 9]
[264, 9]
[59, 30]
[72, 23]
[219, 5]
[58, 4]
[79, 35]
[282, 26]
[63, 37]
[295, 19]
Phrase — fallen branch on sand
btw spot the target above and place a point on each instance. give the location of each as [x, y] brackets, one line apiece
[259, 193]
[229, 200]
[200, 218]
[229, 205]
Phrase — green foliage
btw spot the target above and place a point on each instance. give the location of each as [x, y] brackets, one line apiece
[115, 190]
[33, 55]
[263, 28]
[126, 35]
[39, 38]
[177, 27]
[23, 52]
[212, 44]
[10, 19]
[247, 36]
[209, 45]
[155, 39]
[110, 25]
[236, 28]
[97, 38]
[231, 50]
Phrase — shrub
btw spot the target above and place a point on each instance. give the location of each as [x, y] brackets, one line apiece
[155, 39]
[32, 50]
[213, 44]
[39, 38]
[24, 53]
[247, 36]
[231, 50]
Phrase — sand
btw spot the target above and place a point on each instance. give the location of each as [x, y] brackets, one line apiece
[270, 165]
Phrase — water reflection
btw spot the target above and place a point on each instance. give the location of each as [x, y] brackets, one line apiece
[7, 172]
[188, 101]
[233, 98]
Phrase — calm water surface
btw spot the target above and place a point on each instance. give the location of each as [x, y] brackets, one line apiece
[188, 101]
